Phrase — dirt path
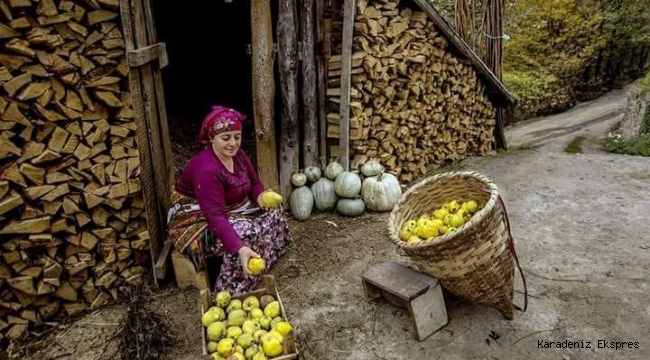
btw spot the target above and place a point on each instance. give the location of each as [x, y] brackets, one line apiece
[535, 132]
[579, 225]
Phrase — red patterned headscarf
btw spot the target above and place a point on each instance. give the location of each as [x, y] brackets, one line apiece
[219, 120]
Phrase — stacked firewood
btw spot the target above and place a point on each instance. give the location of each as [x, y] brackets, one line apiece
[72, 223]
[414, 104]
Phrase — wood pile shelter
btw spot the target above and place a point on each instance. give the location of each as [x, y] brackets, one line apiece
[85, 158]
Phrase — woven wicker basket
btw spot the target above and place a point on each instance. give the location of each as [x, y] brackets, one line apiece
[472, 262]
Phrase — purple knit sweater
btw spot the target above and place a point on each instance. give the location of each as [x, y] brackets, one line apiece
[218, 190]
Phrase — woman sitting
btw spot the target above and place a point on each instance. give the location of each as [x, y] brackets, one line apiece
[229, 222]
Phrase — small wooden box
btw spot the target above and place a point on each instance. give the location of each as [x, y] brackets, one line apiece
[290, 349]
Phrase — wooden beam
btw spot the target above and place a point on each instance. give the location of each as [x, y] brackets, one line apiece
[346, 65]
[264, 92]
[310, 119]
[321, 79]
[148, 54]
[327, 53]
[499, 131]
[506, 98]
[162, 114]
[155, 222]
[162, 263]
[288, 58]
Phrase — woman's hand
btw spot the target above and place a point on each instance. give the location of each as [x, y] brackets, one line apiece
[245, 253]
[260, 202]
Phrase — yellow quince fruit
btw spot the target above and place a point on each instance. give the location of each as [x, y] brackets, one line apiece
[226, 347]
[271, 199]
[427, 230]
[440, 213]
[271, 345]
[408, 229]
[256, 265]
[283, 328]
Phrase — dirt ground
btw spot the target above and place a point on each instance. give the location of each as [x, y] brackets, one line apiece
[582, 239]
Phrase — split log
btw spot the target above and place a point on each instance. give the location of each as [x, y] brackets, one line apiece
[69, 163]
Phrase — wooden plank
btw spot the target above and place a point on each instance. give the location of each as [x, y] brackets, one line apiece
[186, 274]
[162, 263]
[334, 132]
[321, 79]
[428, 313]
[148, 54]
[165, 196]
[346, 82]
[162, 187]
[154, 221]
[504, 95]
[499, 130]
[264, 92]
[399, 280]
[310, 116]
[288, 58]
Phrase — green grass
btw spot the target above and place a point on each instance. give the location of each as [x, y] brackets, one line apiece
[575, 146]
[638, 145]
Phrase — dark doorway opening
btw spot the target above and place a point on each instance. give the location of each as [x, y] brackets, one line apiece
[209, 64]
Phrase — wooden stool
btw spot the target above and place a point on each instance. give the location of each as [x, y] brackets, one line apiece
[404, 287]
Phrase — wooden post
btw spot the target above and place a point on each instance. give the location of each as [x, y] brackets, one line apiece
[162, 110]
[310, 120]
[264, 92]
[288, 58]
[494, 58]
[134, 35]
[346, 67]
[323, 80]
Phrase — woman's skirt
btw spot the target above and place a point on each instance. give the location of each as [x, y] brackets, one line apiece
[265, 232]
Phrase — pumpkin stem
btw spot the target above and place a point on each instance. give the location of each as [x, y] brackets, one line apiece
[380, 175]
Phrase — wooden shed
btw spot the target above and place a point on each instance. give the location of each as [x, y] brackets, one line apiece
[85, 158]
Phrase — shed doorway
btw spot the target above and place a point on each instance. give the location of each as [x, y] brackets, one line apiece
[208, 65]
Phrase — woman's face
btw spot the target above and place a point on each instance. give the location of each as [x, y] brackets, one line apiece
[227, 143]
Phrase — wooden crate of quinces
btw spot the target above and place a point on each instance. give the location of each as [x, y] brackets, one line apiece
[248, 326]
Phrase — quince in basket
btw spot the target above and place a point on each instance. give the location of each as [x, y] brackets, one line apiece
[443, 220]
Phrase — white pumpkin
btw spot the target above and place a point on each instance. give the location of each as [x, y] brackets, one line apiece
[313, 173]
[298, 179]
[302, 203]
[347, 185]
[371, 168]
[325, 197]
[381, 192]
[351, 207]
[333, 169]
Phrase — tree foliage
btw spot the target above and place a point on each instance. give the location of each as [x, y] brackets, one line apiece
[575, 49]
[564, 51]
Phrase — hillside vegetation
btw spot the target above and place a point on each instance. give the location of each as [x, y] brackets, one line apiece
[559, 52]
